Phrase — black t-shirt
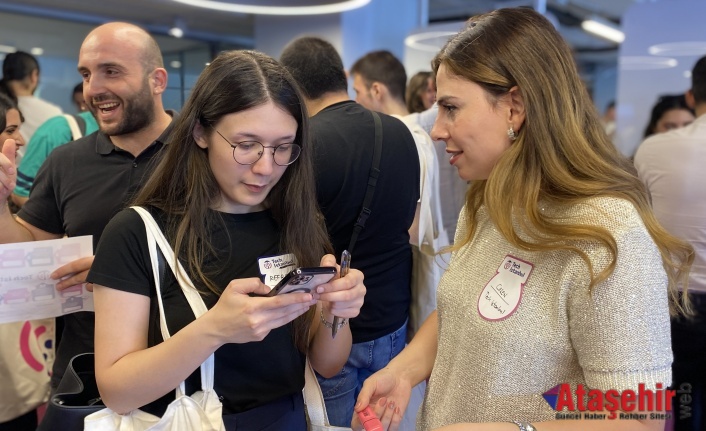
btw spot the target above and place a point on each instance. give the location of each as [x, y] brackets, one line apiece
[246, 375]
[78, 189]
[344, 139]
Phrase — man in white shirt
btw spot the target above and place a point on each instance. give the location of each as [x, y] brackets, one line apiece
[672, 166]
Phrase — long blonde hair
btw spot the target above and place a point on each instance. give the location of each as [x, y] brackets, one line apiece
[562, 155]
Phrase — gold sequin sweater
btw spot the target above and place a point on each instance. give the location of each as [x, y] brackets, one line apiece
[614, 337]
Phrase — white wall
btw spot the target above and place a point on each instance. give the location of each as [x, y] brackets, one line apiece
[647, 24]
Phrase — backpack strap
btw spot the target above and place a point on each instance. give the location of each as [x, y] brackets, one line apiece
[372, 182]
[77, 126]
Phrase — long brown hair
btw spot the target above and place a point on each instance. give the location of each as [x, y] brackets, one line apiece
[562, 155]
[183, 185]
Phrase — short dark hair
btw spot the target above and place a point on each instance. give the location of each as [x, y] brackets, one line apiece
[698, 81]
[315, 65]
[383, 67]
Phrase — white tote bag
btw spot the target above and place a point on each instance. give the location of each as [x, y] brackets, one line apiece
[202, 411]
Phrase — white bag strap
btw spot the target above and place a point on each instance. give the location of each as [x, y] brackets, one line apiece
[73, 125]
[313, 398]
[155, 237]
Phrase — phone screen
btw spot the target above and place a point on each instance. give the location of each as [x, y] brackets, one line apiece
[303, 280]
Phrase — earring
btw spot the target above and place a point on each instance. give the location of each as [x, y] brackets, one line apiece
[511, 134]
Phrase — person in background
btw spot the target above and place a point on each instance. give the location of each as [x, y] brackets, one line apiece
[83, 184]
[671, 164]
[21, 394]
[379, 82]
[670, 112]
[560, 273]
[421, 92]
[77, 98]
[236, 184]
[20, 80]
[53, 133]
[608, 120]
[343, 134]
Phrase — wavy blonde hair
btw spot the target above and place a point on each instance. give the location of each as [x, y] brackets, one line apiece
[562, 155]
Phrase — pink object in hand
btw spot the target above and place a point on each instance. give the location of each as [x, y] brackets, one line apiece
[369, 420]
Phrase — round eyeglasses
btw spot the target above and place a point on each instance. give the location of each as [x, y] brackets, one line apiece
[249, 152]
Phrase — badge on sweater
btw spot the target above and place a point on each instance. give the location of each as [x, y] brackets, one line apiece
[501, 296]
[274, 268]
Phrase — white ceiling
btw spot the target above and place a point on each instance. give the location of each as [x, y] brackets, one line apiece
[29, 23]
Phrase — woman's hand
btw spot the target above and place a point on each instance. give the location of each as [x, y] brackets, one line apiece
[240, 318]
[388, 394]
[342, 297]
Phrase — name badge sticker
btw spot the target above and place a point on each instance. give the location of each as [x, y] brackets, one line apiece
[501, 295]
[274, 268]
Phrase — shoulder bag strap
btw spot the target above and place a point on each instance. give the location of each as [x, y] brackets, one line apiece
[155, 238]
[73, 125]
[372, 182]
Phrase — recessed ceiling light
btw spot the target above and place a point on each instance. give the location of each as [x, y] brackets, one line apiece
[341, 6]
[646, 63]
[416, 40]
[603, 28]
[176, 32]
[7, 49]
[36, 51]
[694, 48]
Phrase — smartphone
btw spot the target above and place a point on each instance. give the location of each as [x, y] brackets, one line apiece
[303, 280]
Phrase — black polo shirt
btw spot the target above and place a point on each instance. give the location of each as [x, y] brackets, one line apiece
[78, 189]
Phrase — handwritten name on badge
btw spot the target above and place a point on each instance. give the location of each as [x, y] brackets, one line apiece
[502, 294]
[274, 268]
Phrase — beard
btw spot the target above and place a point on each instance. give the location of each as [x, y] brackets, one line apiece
[138, 113]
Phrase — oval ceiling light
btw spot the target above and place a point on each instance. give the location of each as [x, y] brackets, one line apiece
[695, 48]
[415, 40]
[646, 63]
[337, 7]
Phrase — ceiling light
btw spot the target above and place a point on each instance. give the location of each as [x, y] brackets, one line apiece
[177, 29]
[7, 49]
[679, 48]
[175, 64]
[36, 51]
[341, 6]
[646, 63]
[604, 29]
[176, 32]
[415, 40]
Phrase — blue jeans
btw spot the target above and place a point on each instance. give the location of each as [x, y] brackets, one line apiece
[341, 391]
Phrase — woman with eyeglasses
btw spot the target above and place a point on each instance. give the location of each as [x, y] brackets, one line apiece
[233, 194]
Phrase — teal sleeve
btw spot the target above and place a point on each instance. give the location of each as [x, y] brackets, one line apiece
[53, 133]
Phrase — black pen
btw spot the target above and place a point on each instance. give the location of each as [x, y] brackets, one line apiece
[345, 266]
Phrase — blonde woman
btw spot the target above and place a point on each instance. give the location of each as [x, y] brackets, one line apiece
[560, 277]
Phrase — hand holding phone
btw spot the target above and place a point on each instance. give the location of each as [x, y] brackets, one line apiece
[303, 280]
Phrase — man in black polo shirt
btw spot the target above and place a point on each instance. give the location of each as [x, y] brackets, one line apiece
[83, 184]
[343, 135]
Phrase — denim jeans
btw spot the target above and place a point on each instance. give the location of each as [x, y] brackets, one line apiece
[341, 391]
